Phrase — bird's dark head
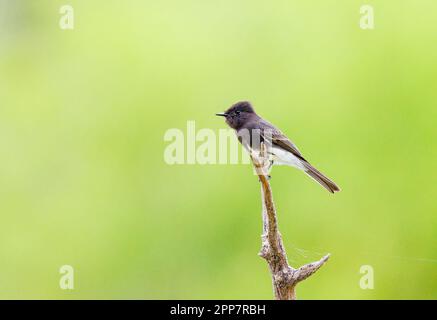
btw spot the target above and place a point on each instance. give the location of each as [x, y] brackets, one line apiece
[237, 115]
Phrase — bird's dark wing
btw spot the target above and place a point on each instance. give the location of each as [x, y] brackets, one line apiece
[280, 140]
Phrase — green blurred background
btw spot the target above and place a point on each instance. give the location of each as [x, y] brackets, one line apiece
[83, 113]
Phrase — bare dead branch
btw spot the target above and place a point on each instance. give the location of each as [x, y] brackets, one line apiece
[284, 277]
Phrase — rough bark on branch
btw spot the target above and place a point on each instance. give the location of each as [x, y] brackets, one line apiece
[284, 277]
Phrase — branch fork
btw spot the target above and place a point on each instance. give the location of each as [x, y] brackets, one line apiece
[284, 277]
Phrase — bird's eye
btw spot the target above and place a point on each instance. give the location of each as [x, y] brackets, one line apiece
[237, 112]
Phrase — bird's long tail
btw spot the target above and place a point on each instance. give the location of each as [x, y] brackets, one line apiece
[320, 178]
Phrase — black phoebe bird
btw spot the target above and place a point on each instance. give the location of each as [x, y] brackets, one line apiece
[252, 129]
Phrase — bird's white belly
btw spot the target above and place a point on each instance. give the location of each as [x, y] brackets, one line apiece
[283, 157]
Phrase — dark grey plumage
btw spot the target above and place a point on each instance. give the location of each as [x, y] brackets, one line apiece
[243, 118]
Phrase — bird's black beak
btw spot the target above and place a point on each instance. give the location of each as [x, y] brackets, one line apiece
[221, 114]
